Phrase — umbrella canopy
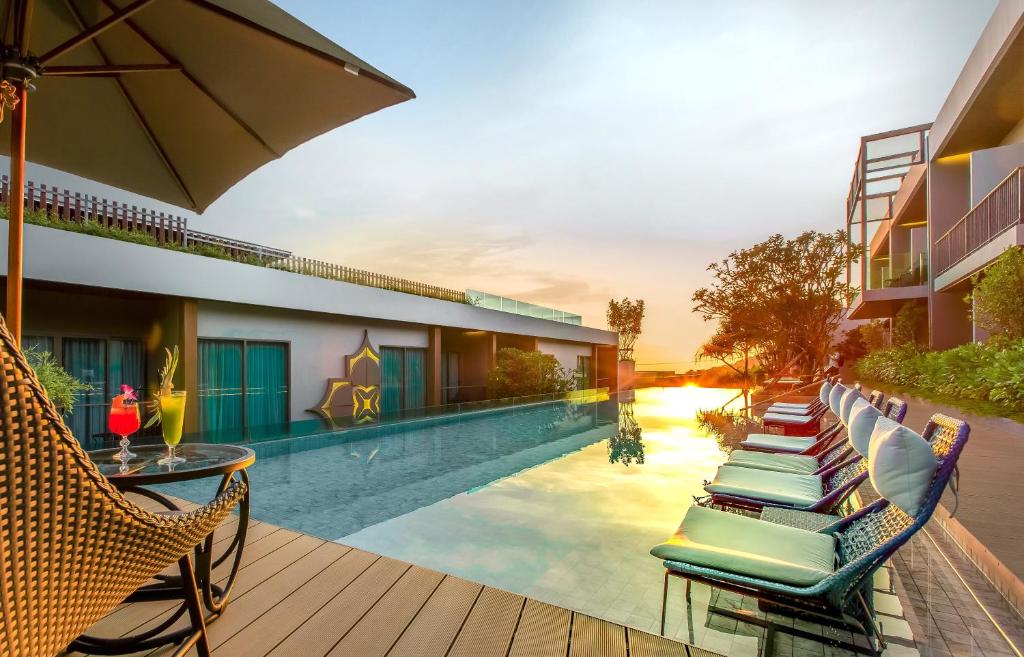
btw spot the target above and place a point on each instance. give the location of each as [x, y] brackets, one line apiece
[173, 99]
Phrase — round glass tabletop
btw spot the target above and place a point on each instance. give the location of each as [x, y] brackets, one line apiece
[201, 460]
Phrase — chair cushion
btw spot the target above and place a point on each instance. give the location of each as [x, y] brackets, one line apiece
[781, 487]
[862, 423]
[804, 405]
[785, 418]
[901, 465]
[770, 441]
[793, 463]
[826, 388]
[846, 405]
[746, 546]
[834, 396]
[788, 410]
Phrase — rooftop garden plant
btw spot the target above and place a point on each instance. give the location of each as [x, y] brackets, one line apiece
[519, 373]
[61, 387]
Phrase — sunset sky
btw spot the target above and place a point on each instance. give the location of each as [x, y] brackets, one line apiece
[567, 152]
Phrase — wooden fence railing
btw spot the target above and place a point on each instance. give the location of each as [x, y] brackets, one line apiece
[999, 210]
[64, 205]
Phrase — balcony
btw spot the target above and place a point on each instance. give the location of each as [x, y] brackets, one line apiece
[986, 231]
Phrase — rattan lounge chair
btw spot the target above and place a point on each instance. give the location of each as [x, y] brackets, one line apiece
[823, 491]
[816, 463]
[823, 576]
[808, 446]
[73, 547]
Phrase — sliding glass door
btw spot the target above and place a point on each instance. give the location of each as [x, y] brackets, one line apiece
[104, 365]
[242, 384]
[403, 378]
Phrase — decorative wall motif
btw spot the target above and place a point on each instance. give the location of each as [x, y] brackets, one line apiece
[357, 395]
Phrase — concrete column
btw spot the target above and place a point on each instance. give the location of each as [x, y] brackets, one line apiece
[433, 366]
[949, 199]
[595, 364]
[492, 351]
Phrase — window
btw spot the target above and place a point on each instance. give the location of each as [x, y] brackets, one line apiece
[583, 370]
[403, 379]
[104, 365]
[38, 343]
[242, 384]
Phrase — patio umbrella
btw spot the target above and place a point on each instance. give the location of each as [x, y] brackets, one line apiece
[173, 99]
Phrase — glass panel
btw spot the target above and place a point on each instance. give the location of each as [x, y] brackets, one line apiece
[86, 360]
[127, 366]
[415, 379]
[266, 384]
[449, 377]
[220, 385]
[390, 379]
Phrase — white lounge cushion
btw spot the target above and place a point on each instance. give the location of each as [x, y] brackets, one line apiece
[901, 465]
[846, 404]
[800, 490]
[834, 397]
[777, 443]
[862, 423]
[786, 418]
[792, 463]
[823, 393]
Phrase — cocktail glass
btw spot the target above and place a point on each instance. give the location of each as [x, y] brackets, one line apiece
[172, 419]
[124, 420]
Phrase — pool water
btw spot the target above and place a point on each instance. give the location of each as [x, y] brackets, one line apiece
[559, 501]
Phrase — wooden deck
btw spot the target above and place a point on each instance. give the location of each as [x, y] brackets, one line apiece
[300, 596]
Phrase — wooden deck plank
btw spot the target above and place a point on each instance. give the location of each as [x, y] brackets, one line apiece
[593, 637]
[270, 589]
[330, 623]
[275, 625]
[433, 630]
[642, 644]
[381, 627]
[543, 631]
[492, 622]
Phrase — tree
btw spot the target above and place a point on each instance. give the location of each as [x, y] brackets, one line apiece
[520, 373]
[784, 297]
[625, 318]
[910, 325]
[730, 346]
[997, 295]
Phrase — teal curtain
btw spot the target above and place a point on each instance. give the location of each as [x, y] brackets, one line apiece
[220, 385]
[415, 384]
[86, 360]
[266, 384]
[390, 379]
[127, 366]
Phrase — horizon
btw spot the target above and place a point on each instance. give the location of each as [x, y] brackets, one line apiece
[517, 145]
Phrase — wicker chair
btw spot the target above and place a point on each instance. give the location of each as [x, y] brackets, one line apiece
[73, 547]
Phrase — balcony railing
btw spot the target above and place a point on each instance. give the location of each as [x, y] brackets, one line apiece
[998, 211]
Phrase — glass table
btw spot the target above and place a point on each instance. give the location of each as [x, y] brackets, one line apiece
[226, 462]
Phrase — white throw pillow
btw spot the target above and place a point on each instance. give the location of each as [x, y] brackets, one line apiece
[823, 394]
[846, 405]
[862, 423]
[834, 396]
[901, 465]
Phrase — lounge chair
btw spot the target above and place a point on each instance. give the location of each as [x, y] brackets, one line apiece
[737, 486]
[771, 442]
[73, 547]
[823, 576]
[808, 425]
[813, 463]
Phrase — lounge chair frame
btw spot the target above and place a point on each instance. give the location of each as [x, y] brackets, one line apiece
[866, 540]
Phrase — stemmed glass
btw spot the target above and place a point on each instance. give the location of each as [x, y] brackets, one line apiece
[124, 420]
[172, 413]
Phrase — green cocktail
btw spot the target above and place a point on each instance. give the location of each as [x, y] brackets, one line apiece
[172, 419]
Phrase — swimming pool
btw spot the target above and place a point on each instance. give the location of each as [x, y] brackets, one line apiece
[558, 501]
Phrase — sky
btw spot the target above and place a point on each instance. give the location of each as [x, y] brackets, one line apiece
[564, 153]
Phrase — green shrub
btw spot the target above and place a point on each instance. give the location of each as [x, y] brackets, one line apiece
[910, 325]
[982, 372]
[520, 373]
[997, 296]
[60, 386]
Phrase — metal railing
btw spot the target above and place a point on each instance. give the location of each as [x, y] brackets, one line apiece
[998, 211]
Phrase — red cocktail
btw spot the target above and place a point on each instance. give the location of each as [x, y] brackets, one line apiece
[124, 420]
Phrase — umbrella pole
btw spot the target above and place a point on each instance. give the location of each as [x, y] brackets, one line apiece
[16, 212]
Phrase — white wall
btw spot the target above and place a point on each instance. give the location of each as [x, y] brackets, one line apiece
[564, 352]
[318, 343]
[990, 166]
